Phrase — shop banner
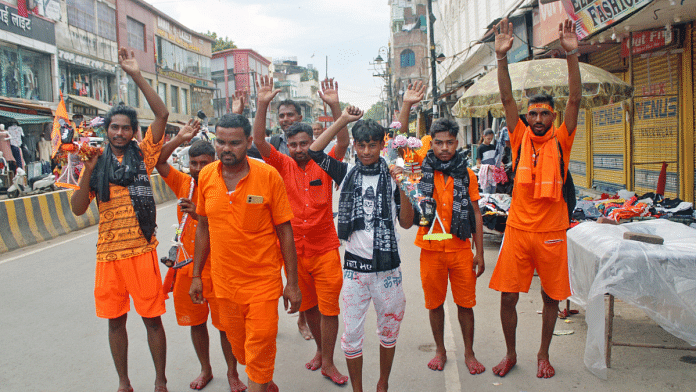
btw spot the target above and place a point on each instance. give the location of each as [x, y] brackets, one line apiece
[592, 17]
[31, 26]
[545, 21]
[645, 41]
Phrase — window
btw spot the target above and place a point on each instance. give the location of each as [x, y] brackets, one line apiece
[133, 94]
[25, 74]
[408, 58]
[81, 14]
[184, 101]
[107, 21]
[175, 99]
[162, 92]
[176, 58]
[136, 34]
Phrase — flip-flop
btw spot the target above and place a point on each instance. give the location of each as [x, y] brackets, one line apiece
[200, 380]
[335, 379]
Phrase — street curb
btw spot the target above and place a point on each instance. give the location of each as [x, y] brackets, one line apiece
[42, 217]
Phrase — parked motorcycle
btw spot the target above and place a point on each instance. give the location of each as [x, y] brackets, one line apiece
[21, 186]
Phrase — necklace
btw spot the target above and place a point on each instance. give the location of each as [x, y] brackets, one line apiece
[535, 156]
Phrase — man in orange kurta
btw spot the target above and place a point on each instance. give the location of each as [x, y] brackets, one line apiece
[455, 190]
[244, 212]
[126, 249]
[535, 237]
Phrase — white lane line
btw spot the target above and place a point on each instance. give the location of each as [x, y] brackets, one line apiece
[452, 383]
[94, 230]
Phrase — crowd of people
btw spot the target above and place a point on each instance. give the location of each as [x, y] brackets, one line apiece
[243, 222]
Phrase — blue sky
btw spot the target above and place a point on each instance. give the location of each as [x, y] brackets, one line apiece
[350, 33]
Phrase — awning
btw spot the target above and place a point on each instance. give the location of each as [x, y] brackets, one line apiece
[26, 118]
[100, 106]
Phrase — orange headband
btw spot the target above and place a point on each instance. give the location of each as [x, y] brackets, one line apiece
[540, 106]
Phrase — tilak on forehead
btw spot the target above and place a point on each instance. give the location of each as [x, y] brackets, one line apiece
[540, 106]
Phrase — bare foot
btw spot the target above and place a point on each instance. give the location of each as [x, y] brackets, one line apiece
[438, 362]
[474, 366]
[334, 375]
[125, 389]
[504, 366]
[315, 363]
[161, 388]
[236, 385]
[202, 380]
[545, 370]
[382, 386]
[272, 387]
[304, 331]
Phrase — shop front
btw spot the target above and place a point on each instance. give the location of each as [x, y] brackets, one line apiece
[92, 82]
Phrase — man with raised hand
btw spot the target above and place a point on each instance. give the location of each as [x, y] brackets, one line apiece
[201, 153]
[536, 226]
[127, 264]
[448, 179]
[243, 214]
[310, 192]
[370, 206]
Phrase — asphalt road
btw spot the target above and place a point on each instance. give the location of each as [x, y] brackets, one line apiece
[51, 340]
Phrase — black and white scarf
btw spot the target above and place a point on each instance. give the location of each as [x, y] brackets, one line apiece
[463, 219]
[130, 173]
[351, 215]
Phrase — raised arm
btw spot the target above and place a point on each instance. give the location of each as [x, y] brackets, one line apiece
[569, 42]
[413, 95]
[239, 101]
[350, 114]
[265, 94]
[503, 42]
[329, 94]
[185, 135]
[130, 66]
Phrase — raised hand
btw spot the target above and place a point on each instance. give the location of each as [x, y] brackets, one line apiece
[503, 37]
[190, 130]
[351, 113]
[567, 36]
[238, 101]
[264, 90]
[128, 64]
[329, 92]
[415, 92]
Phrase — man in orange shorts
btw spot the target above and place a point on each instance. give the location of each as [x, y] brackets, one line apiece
[244, 213]
[316, 241]
[127, 247]
[201, 153]
[448, 180]
[535, 236]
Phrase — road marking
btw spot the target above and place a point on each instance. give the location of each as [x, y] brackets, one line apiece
[94, 230]
[452, 383]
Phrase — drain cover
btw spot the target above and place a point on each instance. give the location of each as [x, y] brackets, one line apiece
[688, 359]
[427, 347]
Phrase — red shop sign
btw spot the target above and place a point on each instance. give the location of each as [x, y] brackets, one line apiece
[645, 41]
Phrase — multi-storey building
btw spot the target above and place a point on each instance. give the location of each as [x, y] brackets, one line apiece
[301, 84]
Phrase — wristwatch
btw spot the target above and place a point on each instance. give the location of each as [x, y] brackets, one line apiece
[572, 52]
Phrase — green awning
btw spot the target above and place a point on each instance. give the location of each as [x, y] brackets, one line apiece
[26, 118]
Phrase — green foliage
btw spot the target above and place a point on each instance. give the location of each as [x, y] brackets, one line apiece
[220, 43]
[344, 105]
[309, 74]
[376, 112]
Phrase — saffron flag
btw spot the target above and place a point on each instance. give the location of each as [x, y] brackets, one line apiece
[61, 113]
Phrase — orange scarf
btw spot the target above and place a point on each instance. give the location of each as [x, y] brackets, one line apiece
[546, 174]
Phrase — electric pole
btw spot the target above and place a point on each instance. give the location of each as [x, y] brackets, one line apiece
[431, 33]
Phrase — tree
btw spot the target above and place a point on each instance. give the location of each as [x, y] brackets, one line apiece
[220, 43]
[376, 112]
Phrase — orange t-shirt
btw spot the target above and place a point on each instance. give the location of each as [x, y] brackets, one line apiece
[180, 183]
[246, 260]
[310, 195]
[120, 236]
[538, 215]
[444, 197]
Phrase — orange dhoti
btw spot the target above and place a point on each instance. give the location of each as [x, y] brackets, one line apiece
[320, 279]
[252, 330]
[522, 252]
[138, 277]
[435, 269]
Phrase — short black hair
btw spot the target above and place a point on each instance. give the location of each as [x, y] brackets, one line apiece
[126, 111]
[488, 131]
[290, 102]
[233, 120]
[367, 131]
[299, 127]
[444, 125]
[201, 147]
[541, 98]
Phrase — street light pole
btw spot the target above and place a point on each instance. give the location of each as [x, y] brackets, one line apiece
[431, 33]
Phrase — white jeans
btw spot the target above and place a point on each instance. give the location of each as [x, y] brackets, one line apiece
[387, 292]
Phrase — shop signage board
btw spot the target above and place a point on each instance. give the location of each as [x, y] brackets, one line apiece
[593, 16]
[170, 31]
[32, 27]
[608, 141]
[545, 20]
[520, 47]
[645, 41]
[77, 59]
[184, 78]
